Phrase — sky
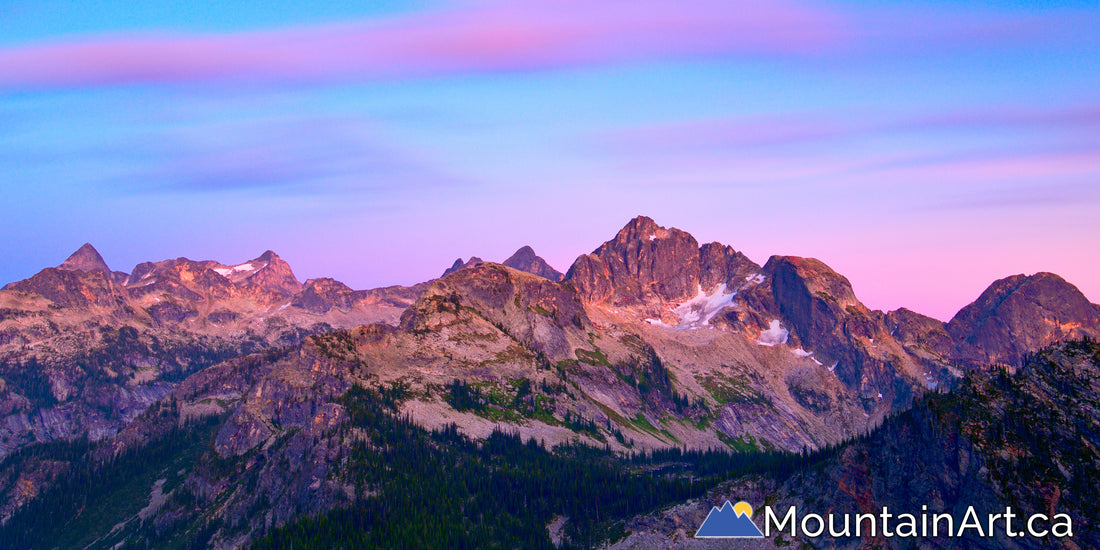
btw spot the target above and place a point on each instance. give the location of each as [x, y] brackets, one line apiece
[921, 148]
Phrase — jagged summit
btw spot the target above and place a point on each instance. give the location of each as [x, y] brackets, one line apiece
[647, 263]
[523, 259]
[86, 258]
[459, 264]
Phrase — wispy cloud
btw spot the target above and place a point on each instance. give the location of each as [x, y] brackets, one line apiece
[295, 156]
[507, 36]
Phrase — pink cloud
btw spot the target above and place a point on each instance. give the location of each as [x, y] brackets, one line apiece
[497, 37]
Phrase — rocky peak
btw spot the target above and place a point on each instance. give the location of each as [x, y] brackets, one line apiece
[525, 259]
[525, 254]
[270, 272]
[1020, 314]
[86, 258]
[643, 263]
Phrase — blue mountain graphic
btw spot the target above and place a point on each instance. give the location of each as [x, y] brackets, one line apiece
[724, 523]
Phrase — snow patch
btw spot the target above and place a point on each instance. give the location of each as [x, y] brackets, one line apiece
[651, 237]
[697, 312]
[801, 352]
[145, 281]
[775, 334]
[755, 279]
[247, 267]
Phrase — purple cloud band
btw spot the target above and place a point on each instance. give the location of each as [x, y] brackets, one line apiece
[499, 37]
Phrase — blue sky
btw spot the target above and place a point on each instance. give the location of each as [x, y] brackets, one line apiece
[923, 149]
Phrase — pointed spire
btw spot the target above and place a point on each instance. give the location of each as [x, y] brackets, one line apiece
[86, 258]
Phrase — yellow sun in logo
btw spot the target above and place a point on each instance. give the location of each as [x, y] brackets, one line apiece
[743, 508]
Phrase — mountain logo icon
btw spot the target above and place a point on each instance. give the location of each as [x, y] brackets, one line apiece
[731, 521]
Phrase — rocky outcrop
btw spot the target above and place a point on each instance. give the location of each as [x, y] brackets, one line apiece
[920, 334]
[662, 277]
[74, 288]
[541, 314]
[321, 295]
[721, 264]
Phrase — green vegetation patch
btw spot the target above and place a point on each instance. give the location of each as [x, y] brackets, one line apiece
[726, 389]
[744, 444]
[594, 357]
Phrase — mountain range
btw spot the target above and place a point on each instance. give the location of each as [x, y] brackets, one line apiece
[650, 343]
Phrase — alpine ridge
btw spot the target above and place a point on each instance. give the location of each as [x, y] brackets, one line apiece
[651, 343]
